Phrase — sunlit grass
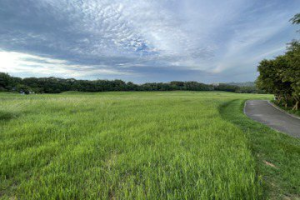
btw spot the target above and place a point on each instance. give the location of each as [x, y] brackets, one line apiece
[124, 145]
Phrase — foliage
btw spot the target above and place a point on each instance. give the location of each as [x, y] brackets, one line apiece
[296, 19]
[58, 85]
[292, 74]
[7, 83]
[271, 78]
[249, 89]
[23, 89]
[281, 76]
[226, 87]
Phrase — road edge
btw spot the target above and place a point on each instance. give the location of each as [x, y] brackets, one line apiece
[245, 113]
[278, 108]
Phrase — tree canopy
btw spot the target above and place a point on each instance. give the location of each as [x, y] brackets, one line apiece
[58, 85]
[281, 76]
[296, 19]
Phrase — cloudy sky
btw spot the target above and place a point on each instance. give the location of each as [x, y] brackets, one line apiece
[143, 40]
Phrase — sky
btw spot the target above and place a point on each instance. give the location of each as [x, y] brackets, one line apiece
[207, 41]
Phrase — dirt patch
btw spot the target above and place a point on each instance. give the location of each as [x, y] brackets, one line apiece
[270, 164]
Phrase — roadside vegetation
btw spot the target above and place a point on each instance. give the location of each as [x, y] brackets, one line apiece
[287, 109]
[281, 76]
[277, 155]
[130, 145]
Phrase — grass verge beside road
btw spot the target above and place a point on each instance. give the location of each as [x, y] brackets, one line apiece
[277, 155]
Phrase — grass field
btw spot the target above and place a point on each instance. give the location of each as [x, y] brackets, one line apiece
[141, 145]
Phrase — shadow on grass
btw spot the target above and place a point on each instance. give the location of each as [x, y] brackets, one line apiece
[277, 155]
[6, 116]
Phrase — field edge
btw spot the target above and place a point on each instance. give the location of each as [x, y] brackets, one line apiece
[277, 155]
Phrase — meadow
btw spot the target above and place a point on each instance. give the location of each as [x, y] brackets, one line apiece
[142, 145]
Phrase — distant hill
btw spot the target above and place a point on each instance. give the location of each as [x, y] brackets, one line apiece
[242, 84]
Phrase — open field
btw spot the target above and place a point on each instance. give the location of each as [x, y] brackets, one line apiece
[142, 145]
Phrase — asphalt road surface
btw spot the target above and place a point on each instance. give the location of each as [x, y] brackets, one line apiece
[264, 112]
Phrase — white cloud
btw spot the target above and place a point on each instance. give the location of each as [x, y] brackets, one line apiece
[248, 45]
[16, 63]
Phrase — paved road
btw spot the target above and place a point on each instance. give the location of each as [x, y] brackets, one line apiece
[264, 112]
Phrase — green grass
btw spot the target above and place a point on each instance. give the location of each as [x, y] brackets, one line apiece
[277, 155]
[137, 145]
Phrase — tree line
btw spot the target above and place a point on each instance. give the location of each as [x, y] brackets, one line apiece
[281, 76]
[57, 85]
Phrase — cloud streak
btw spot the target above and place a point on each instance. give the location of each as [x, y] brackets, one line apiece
[124, 39]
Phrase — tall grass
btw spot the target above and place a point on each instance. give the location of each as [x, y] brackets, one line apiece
[156, 145]
[277, 155]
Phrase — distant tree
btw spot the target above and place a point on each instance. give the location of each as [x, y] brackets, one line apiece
[177, 85]
[58, 85]
[5, 81]
[23, 89]
[226, 87]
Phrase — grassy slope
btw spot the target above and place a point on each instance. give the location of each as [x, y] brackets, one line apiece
[277, 155]
[133, 145]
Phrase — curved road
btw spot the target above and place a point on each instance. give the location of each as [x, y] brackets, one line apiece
[264, 112]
